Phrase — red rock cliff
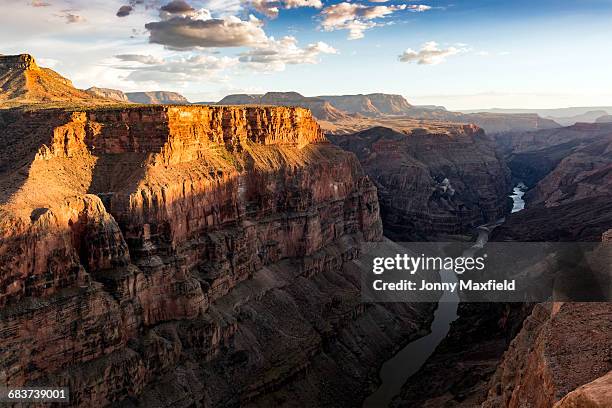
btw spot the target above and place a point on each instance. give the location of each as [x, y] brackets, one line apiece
[171, 248]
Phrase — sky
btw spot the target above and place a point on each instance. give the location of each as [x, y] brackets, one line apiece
[462, 54]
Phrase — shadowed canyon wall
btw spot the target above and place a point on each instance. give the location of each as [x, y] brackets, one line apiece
[432, 183]
[173, 256]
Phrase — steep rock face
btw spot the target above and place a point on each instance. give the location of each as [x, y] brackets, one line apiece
[22, 81]
[320, 108]
[157, 98]
[561, 347]
[552, 356]
[187, 255]
[432, 183]
[107, 93]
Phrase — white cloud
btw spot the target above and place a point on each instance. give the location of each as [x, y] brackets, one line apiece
[275, 55]
[143, 59]
[200, 30]
[268, 8]
[47, 62]
[271, 8]
[357, 18]
[289, 4]
[175, 70]
[429, 54]
[418, 8]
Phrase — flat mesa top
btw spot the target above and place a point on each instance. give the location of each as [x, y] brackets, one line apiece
[23, 61]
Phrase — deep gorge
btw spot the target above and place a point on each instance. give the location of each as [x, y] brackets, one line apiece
[210, 256]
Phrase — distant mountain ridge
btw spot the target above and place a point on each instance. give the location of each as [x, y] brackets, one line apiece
[320, 108]
[375, 104]
[553, 113]
[107, 93]
[350, 113]
[587, 117]
[157, 98]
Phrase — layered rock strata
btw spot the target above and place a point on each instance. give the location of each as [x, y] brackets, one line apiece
[432, 183]
[181, 256]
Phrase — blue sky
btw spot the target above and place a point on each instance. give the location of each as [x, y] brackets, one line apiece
[464, 54]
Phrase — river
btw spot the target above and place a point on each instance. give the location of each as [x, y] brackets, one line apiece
[517, 197]
[396, 371]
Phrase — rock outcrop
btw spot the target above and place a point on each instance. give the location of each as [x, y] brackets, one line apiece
[435, 182]
[157, 98]
[22, 81]
[320, 108]
[188, 256]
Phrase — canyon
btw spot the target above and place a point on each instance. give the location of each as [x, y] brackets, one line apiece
[535, 355]
[186, 241]
[188, 255]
